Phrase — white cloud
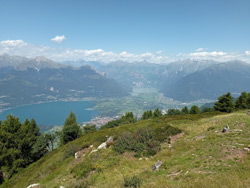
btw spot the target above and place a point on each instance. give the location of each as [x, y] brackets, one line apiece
[199, 49]
[21, 48]
[247, 52]
[59, 39]
[207, 54]
[13, 43]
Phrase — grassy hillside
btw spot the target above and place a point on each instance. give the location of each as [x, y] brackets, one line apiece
[201, 157]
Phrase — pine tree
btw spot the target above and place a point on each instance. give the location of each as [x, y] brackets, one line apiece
[241, 102]
[147, 115]
[225, 103]
[71, 130]
[194, 110]
[157, 113]
[185, 110]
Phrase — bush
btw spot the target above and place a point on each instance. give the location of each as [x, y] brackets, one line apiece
[133, 181]
[163, 133]
[141, 142]
[70, 151]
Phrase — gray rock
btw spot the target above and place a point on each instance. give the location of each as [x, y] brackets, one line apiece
[157, 165]
[246, 149]
[35, 185]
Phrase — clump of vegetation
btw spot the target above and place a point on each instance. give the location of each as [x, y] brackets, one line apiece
[174, 112]
[70, 151]
[164, 132]
[225, 103]
[140, 142]
[71, 130]
[133, 181]
[147, 114]
[125, 119]
[194, 110]
[20, 145]
[89, 129]
[83, 169]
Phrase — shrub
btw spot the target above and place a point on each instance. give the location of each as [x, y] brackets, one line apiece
[141, 142]
[133, 181]
[163, 133]
[70, 151]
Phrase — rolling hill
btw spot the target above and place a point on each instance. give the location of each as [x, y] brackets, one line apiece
[201, 156]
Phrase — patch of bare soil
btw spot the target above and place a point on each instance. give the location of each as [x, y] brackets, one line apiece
[234, 153]
[174, 138]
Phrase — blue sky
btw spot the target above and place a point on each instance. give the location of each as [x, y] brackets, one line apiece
[166, 27]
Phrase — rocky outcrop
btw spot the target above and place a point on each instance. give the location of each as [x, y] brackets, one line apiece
[80, 153]
[104, 144]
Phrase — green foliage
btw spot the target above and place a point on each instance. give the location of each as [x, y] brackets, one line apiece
[194, 110]
[141, 142]
[70, 151]
[16, 144]
[51, 139]
[185, 110]
[207, 109]
[174, 112]
[225, 103]
[133, 181]
[157, 113]
[89, 128]
[241, 102]
[84, 168]
[71, 130]
[162, 133]
[125, 119]
[147, 115]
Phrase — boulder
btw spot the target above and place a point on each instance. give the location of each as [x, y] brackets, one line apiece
[246, 149]
[157, 165]
[102, 146]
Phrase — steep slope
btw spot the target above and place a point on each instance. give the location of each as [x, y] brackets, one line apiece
[201, 157]
[25, 81]
[211, 82]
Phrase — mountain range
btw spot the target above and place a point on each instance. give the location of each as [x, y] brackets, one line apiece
[26, 81]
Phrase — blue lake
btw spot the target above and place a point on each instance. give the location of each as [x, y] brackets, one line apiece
[53, 113]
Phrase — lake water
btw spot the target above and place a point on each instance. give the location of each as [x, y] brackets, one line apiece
[53, 113]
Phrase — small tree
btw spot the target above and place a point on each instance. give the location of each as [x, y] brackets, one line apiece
[174, 112]
[71, 130]
[147, 115]
[194, 110]
[241, 102]
[225, 103]
[157, 113]
[185, 110]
